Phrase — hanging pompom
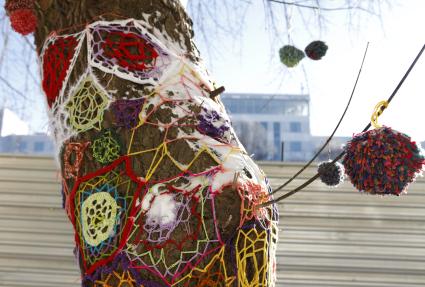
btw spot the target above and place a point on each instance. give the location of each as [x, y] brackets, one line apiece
[316, 50]
[23, 21]
[382, 161]
[13, 5]
[290, 56]
[331, 174]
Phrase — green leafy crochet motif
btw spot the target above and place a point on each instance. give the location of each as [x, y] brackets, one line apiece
[106, 148]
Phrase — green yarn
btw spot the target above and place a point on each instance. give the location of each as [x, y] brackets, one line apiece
[290, 56]
[106, 148]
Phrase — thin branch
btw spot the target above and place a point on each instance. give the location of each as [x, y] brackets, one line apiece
[4, 46]
[3, 80]
[319, 8]
[334, 131]
[29, 43]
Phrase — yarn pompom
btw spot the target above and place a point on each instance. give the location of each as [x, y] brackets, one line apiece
[331, 174]
[316, 50]
[382, 161]
[23, 21]
[13, 5]
[290, 56]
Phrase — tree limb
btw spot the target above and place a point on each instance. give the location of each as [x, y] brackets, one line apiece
[319, 8]
[3, 80]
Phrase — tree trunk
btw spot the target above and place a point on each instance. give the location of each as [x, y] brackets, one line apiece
[155, 182]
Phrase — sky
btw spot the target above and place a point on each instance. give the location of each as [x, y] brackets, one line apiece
[247, 61]
[251, 64]
[14, 125]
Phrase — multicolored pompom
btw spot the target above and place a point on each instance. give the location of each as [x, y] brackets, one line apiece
[22, 16]
[316, 50]
[382, 161]
[290, 56]
[331, 174]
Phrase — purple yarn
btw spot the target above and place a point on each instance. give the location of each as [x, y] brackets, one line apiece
[120, 260]
[127, 112]
[145, 283]
[212, 124]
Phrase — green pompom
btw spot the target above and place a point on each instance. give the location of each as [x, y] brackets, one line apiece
[290, 56]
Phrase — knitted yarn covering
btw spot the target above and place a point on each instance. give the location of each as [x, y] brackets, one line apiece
[23, 21]
[158, 188]
[13, 5]
[382, 161]
[290, 56]
[331, 174]
[316, 50]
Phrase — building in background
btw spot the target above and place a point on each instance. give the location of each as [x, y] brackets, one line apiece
[37, 144]
[277, 127]
[15, 140]
[1, 119]
[266, 125]
[272, 127]
[332, 150]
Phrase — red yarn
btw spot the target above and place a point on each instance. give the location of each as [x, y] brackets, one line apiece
[56, 61]
[131, 51]
[13, 5]
[178, 243]
[127, 225]
[23, 21]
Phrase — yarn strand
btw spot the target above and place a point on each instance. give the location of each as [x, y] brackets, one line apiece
[334, 131]
[313, 178]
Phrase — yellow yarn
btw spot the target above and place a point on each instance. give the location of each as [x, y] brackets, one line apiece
[86, 106]
[379, 108]
[251, 256]
[98, 214]
[113, 279]
[215, 273]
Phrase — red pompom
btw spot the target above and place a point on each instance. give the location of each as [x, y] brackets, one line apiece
[23, 21]
[13, 5]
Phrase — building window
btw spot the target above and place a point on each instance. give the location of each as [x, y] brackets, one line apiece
[22, 146]
[276, 140]
[269, 104]
[39, 146]
[295, 146]
[295, 127]
[276, 132]
[264, 125]
[250, 107]
[259, 106]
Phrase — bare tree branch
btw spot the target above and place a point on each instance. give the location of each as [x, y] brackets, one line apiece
[10, 86]
[320, 8]
[29, 43]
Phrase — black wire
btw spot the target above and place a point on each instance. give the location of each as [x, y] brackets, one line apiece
[334, 131]
[292, 192]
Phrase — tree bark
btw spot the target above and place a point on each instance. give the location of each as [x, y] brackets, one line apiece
[155, 182]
